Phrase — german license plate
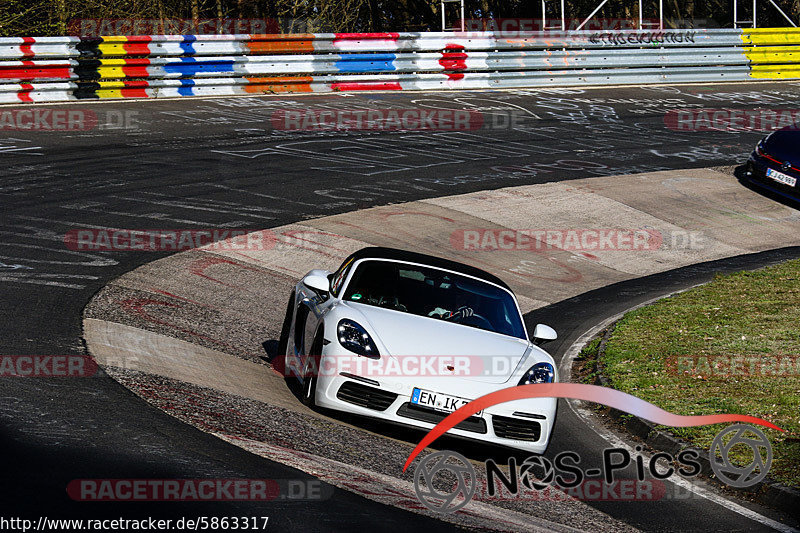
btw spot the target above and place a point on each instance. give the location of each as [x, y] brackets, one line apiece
[439, 401]
[781, 177]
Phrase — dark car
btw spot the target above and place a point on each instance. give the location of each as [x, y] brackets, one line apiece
[775, 163]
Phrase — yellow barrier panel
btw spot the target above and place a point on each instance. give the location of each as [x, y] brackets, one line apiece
[773, 54]
[771, 36]
[775, 72]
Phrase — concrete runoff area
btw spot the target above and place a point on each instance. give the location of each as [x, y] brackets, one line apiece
[176, 317]
[217, 163]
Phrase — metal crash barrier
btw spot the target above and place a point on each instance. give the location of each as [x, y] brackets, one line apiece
[50, 69]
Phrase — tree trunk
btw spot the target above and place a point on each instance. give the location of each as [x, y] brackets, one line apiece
[375, 16]
[195, 14]
[678, 16]
[160, 6]
[61, 13]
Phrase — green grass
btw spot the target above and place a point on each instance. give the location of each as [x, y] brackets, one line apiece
[749, 314]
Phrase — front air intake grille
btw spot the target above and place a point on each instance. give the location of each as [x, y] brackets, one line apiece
[368, 397]
[514, 428]
[410, 410]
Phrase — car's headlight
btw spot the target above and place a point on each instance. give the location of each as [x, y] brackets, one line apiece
[355, 338]
[761, 147]
[539, 373]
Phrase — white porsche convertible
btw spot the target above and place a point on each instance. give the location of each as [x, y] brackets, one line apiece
[408, 338]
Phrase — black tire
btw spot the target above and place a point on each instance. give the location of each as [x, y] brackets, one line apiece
[308, 393]
[283, 341]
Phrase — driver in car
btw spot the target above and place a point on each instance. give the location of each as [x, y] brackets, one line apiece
[460, 313]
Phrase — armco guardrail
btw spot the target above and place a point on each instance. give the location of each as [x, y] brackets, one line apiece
[46, 69]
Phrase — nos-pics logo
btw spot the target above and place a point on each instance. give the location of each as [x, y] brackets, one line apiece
[445, 469]
[446, 481]
[740, 436]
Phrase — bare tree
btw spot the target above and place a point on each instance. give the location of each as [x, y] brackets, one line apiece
[56, 17]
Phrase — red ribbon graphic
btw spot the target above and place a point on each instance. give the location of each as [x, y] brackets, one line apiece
[590, 393]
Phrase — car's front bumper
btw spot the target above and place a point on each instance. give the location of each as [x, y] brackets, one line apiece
[520, 424]
[756, 173]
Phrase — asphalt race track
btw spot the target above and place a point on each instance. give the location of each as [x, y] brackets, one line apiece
[212, 163]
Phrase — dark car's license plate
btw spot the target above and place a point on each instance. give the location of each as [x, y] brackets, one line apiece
[781, 177]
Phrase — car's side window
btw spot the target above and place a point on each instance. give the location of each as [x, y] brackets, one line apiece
[338, 277]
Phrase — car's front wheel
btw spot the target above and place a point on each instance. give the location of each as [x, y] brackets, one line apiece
[283, 341]
[311, 372]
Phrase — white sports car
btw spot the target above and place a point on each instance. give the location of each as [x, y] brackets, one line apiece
[408, 338]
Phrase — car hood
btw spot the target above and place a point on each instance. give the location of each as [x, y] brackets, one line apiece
[402, 334]
[784, 145]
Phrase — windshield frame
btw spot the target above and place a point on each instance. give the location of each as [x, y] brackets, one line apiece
[354, 267]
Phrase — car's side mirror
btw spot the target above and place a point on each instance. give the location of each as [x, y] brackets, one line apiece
[318, 284]
[543, 333]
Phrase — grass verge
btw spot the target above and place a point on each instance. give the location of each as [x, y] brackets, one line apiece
[730, 346]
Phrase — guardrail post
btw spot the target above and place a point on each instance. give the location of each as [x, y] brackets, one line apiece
[444, 22]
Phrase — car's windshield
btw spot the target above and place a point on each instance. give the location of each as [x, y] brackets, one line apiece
[436, 294]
